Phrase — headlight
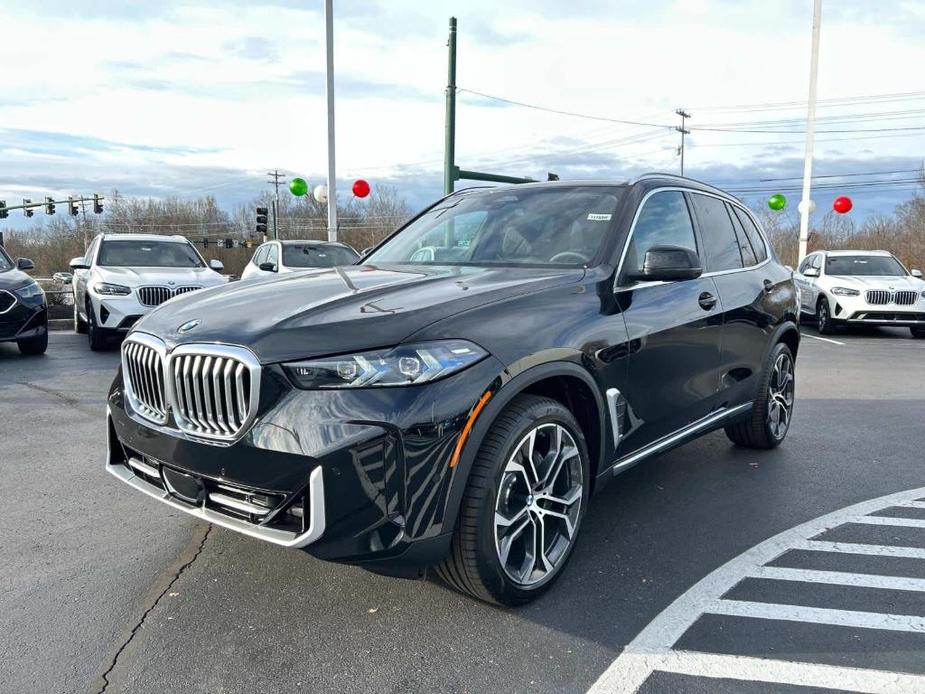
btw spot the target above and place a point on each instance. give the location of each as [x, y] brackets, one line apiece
[845, 291]
[30, 291]
[107, 289]
[400, 366]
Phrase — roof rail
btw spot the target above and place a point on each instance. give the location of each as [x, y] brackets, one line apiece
[686, 179]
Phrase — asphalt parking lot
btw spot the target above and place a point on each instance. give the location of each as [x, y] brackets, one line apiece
[104, 589]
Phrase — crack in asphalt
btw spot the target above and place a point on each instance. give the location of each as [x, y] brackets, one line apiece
[149, 609]
[73, 402]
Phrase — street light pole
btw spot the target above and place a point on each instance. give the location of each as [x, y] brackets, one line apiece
[810, 132]
[329, 90]
[449, 152]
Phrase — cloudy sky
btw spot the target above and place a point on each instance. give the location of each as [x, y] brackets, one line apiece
[189, 98]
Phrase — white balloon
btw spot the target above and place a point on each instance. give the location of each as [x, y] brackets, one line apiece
[321, 193]
[812, 206]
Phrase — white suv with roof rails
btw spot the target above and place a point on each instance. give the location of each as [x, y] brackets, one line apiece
[861, 288]
[123, 276]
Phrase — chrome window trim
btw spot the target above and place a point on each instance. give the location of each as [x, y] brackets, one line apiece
[663, 189]
[160, 348]
[11, 306]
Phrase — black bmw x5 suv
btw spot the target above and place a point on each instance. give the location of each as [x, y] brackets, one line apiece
[455, 398]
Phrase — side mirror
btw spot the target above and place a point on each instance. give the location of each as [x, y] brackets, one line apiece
[916, 273]
[668, 264]
[78, 264]
[268, 267]
[25, 264]
[811, 272]
[217, 265]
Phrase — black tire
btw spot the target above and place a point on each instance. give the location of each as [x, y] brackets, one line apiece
[95, 335]
[757, 430]
[474, 565]
[80, 325]
[825, 324]
[918, 333]
[34, 345]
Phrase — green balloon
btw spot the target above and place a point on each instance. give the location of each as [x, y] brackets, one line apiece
[777, 202]
[298, 187]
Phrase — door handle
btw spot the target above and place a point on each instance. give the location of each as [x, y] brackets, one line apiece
[707, 301]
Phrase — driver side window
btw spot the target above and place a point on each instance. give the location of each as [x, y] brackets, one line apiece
[260, 255]
[273, 254]
[663, 221]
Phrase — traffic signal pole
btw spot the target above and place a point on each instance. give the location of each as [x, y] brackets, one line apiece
[449, 153]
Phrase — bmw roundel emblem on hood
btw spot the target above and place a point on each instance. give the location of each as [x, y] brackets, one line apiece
[187, 326]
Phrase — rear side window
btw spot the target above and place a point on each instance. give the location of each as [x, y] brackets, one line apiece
[721, 247]
[663, 221]
[745, 246]
[754, 236]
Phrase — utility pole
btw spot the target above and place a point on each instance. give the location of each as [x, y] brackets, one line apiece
[329, 90]
[275, 175]
[684, 131]
[449, 154]
[810, 131]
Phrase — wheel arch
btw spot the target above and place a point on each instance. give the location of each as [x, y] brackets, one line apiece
[788, 333]
[564, 381]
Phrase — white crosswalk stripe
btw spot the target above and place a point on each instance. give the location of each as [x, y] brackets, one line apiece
[654, 648]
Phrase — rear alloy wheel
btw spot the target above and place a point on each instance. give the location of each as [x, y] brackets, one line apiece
[523, 504]
[824, 321]
[769, 421]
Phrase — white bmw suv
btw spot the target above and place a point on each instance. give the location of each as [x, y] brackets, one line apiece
[123, 276]
[861, 288]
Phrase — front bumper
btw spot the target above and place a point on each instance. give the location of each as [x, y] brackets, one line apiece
[117, 312]
[23, 320]
[856, 311]
[368, 467]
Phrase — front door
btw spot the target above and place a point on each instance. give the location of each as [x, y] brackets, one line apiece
[674, 331]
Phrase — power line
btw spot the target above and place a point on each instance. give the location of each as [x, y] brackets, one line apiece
[831, 102]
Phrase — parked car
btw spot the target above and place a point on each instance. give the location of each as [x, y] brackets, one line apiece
[460, 412]
[280, 257]
[123, 276]
[842, 288]
[23, 308]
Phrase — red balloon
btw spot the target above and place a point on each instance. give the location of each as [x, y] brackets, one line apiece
[842, 204]
[360, 188]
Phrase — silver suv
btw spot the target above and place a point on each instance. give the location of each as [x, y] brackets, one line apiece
[123, 276]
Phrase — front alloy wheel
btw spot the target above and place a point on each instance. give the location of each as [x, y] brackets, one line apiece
[522, 507]
[538, 505]
[823, 319]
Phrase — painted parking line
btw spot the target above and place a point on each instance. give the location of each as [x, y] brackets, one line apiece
[823, 339]
[653, 650]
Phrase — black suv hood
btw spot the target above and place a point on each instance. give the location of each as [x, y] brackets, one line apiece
[14, 279]
[340, 310]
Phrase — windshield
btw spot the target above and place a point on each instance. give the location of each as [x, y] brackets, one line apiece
[5, 262]
[848, 265]
[562, 226]
[148, 254]
[317, 255]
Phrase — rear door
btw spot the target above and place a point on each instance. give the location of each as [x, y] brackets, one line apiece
[674, 329]
[746, 292]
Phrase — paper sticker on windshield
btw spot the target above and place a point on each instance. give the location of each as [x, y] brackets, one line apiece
[598, 217]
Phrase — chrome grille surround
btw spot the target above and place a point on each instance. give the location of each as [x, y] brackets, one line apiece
[144, 376]
[905, 297]
[211, 390]
[878, 297]
[881, 297]
[155, 295]
[7, 301]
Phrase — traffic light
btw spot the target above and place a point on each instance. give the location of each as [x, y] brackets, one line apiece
[261, 220]
[229, 243]
[3, 213]
[72, 206]
[27, 210]
[97, 203]
[49, 205]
